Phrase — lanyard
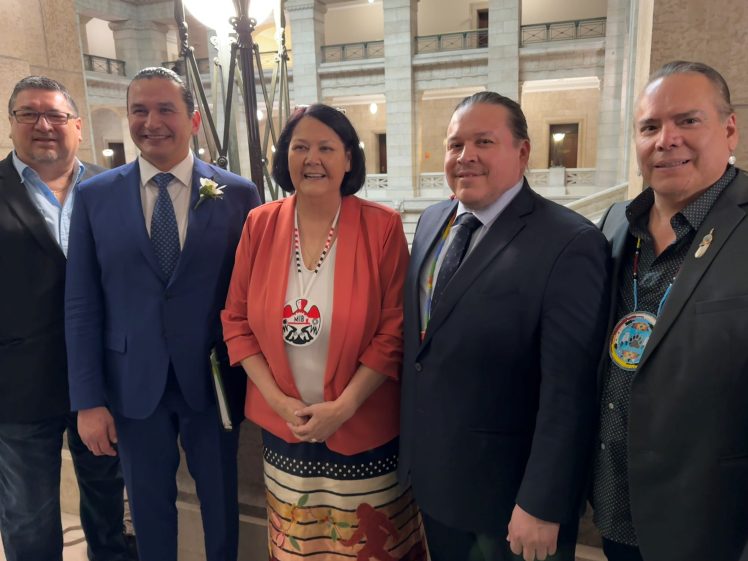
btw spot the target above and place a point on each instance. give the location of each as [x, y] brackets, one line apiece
[636, 281]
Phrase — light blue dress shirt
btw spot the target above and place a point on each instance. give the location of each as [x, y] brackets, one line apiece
[55, 215]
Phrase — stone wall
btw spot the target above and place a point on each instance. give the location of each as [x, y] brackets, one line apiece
[543, 109]
[711, 32]
[41, 37]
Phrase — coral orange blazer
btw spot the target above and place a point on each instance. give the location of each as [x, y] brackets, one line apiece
[370, 267]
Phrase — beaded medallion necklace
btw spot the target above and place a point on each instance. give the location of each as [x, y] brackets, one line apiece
[302, 319]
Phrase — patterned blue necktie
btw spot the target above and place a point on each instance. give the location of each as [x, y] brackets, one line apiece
[164, 231]
[464, 227]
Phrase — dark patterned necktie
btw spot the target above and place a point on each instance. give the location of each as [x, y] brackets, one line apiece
[464, 227]
[164, 231]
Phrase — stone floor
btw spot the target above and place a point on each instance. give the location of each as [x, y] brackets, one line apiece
[75, 544]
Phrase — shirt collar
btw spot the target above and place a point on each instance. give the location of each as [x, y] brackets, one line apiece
[692, 214]
[24, 170]
[488, 214]
[182, 171]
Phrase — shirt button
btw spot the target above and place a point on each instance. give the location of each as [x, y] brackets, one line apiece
[611, 405]
[418, 367]
[602, 446]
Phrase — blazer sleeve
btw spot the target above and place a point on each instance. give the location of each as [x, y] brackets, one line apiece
[384, 352]
[240, 340]
[574, 314]
[84, 313]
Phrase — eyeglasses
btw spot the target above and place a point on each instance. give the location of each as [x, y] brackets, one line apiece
[28, 117]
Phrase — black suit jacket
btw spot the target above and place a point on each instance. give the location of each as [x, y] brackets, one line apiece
[688, 416]
[498, 402]
[33, 372]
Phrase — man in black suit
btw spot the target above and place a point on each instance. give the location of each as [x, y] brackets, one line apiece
[671, 468]
[36, 199]
[503, 312]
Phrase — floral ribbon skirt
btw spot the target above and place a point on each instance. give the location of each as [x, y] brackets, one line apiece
[323, 505]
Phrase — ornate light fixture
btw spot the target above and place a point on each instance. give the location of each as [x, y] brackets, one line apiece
[233, 19]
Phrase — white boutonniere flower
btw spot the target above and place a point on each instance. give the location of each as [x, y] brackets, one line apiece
[209, 189]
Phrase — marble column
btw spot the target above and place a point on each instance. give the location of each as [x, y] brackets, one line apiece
[400, 23]
[504, 17]
[139, 43]
[612, 131]
[307, 20]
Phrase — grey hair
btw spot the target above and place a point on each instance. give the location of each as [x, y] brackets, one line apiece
[41, 83]
[725, 107]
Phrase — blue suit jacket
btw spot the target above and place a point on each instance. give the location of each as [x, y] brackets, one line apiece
[124, 320]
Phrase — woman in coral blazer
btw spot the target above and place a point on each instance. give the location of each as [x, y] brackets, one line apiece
[314, 315]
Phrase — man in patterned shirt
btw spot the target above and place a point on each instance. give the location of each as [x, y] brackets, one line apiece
[671, 468]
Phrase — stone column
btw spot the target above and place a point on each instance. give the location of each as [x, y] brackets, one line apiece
[504, 17]
[612, 131]
[307, 20]
[82, 21]
[139, 44]
[400, 22]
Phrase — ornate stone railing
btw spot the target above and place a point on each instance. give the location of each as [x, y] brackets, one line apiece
[537, 177]
[375, 182]
[562, 31]
[580, 176]
[267, 59]
[456, 41]
[593, 206]
[95, 63]
[353, 51]
[431, 182]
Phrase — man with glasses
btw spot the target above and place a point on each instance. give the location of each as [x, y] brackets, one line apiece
[36, 201]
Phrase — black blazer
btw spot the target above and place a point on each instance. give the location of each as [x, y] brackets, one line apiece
[498, 401]
[33, 371]
[688, 416]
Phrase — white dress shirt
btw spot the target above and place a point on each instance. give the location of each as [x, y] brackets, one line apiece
[487, 217]
[179, 190]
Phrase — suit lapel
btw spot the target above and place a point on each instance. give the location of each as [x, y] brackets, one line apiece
[427, 234]
[17, 198]
[276, 252]
[134, 217]
[723, 218]
[199, 218]
[503, 230]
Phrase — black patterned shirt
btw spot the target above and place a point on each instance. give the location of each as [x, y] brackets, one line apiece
[610, 484]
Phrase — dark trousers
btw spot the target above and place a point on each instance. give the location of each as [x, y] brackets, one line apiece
[615, 551]
[451, 544]
[150, 458]
[30, 493]
[101, 487]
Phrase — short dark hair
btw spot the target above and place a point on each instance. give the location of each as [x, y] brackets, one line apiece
[517, 120]
[354, 179]
[725, 107]
[41, 83]
[165, 74]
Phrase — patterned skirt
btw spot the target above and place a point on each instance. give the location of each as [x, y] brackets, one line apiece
[326, 506]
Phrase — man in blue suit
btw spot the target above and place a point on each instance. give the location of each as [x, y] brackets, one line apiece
[149, 264]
